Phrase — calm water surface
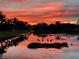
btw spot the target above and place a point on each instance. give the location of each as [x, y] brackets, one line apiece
[23, 52]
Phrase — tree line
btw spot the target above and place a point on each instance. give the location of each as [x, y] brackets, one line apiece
[11, 24]
[14, 23]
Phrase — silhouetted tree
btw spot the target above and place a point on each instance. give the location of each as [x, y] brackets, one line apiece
[2, 17]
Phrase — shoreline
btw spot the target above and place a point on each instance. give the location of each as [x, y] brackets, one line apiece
[11, 34]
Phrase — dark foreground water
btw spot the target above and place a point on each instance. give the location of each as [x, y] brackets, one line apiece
[23, 52]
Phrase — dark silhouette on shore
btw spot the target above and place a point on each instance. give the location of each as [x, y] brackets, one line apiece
[58, 27]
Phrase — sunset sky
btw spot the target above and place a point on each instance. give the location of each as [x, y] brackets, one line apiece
[35, 11]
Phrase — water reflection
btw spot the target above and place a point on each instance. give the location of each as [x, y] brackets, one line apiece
[21, 51]
[10, 42]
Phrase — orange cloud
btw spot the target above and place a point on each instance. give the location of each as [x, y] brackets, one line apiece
[45, 13]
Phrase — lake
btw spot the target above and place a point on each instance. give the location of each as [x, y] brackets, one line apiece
[21, 51]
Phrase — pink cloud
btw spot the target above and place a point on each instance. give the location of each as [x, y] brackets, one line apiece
[71, 12]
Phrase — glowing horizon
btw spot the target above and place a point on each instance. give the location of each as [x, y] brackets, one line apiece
[35, 11]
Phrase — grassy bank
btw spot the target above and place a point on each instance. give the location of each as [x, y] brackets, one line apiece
[12, 33]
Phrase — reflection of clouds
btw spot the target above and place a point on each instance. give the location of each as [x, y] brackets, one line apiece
[22, 52]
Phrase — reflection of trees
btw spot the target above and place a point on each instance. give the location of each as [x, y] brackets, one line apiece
[47, 45]
[6, 43]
